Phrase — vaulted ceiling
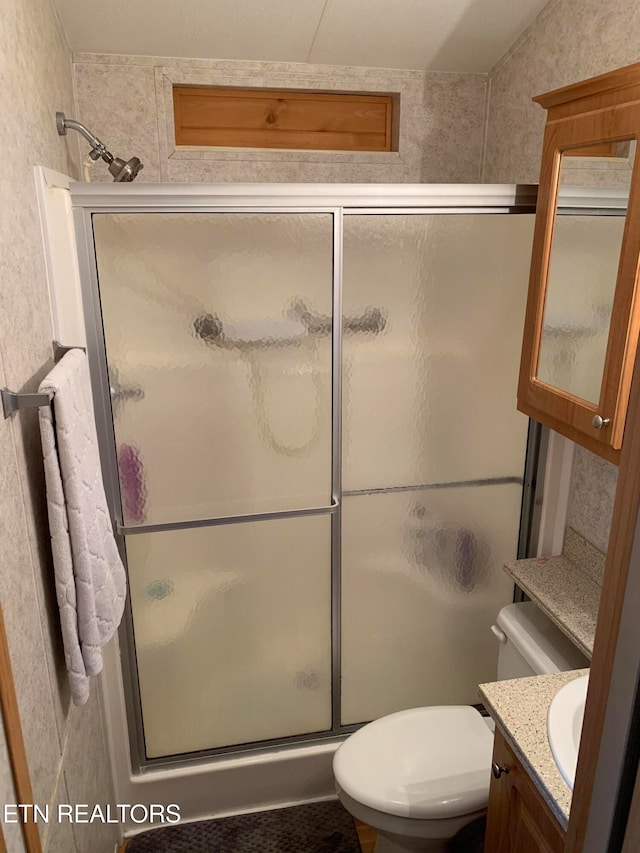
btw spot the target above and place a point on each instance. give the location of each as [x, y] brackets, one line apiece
[437, 35]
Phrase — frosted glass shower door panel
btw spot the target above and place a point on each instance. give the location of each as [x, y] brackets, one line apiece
[431, 397]
[218, 336]
[232, 632]
[434, 453]
[430, 565]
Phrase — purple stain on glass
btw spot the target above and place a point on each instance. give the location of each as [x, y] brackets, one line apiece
[132, 483]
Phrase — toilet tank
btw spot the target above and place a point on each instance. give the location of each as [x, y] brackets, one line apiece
[530, 644]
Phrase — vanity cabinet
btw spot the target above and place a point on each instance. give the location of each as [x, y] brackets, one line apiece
[518, 820]
[583, 312]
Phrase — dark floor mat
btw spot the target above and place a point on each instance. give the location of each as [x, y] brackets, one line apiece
[312, 828]
[470, 839]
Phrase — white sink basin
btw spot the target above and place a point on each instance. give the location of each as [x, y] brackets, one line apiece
[564, 726]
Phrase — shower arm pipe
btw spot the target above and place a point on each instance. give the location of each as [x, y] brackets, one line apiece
[99, 149]
[121, 170]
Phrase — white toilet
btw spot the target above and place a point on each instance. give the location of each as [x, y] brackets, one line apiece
[419, 776]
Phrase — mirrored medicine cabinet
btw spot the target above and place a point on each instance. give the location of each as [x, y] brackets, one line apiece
[582, 318]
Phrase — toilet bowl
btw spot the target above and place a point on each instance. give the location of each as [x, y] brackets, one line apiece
[420, 776]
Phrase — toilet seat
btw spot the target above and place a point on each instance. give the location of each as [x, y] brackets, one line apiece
[425, 763]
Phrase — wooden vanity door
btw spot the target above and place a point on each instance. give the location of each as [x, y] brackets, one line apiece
[519, 821]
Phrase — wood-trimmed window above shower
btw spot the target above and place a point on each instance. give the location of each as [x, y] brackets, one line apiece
[278, 119]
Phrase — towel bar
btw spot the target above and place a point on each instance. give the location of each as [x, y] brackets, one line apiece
[12, 400]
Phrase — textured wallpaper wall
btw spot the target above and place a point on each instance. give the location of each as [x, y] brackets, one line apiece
[127, 101]
[65, 745]
[569, 41]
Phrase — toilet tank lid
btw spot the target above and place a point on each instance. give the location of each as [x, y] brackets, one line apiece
[539, 641]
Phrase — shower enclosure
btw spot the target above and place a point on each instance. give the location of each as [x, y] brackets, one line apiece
[305, 400]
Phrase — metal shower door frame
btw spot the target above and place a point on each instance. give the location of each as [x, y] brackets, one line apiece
[337, 200]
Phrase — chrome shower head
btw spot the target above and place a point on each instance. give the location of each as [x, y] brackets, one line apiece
[122, 171]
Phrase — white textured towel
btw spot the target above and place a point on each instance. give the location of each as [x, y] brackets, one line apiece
[90, 579]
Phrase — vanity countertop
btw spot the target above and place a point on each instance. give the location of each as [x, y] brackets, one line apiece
[567, 588]
[519, 707]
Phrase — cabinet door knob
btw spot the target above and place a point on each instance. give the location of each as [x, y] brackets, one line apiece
[499, 770]
[599, 423]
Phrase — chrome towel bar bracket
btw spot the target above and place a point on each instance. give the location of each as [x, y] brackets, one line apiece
[12, 401]
[60, 350]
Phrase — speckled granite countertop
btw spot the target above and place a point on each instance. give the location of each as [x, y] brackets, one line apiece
[520, 707]
[566, 588]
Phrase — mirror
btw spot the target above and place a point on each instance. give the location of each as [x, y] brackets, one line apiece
[583, 268]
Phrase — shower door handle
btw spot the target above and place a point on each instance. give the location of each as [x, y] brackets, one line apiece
[330, 509]
[121, 392]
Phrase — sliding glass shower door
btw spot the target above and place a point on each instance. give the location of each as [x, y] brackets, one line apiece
[316, 462]
[218, 334]
[433, 454]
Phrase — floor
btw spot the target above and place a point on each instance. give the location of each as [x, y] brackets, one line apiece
[366, 836]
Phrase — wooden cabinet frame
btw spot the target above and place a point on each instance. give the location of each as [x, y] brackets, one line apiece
[625, 527]
[604, 111]
[596, 764]
[15, 745]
